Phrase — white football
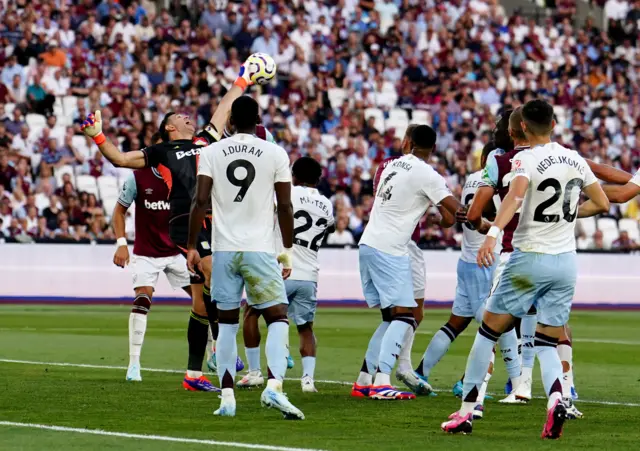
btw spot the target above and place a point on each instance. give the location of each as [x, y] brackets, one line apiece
[262, 68]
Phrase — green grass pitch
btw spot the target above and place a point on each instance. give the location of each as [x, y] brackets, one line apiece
[607, 369]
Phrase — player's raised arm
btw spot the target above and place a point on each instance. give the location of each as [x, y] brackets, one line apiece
[92, 127]
[608, 173]
[620, 194]
[598, 201]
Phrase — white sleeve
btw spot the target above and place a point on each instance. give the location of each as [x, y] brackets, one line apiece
[283, 173]
[435, 187]
[589, 177]
[636, 178]
[522, 166]
[205, 165]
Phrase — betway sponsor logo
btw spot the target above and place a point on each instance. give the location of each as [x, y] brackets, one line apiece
[188, 153]
[159, 205]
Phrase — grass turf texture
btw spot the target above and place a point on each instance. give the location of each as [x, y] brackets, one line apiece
[101, 398]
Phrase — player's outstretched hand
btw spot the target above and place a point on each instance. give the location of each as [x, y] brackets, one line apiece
[486, 256]
[193, 260]
[244, 73]
[461, 215]
[92, 126]
[121, 257]
[284, 258]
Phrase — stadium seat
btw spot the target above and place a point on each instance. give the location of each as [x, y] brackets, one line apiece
[70, 105]
[329, 140]
[398, 124]
[421, 117]
[109, 203]
[609, 229]
[336, 97]
[398, 114]
[88, 184]
[494, 108]
[36, 121]
[264, 101]
[630, 226]
[8, 108]
[80, 144]
[62, 170]
[108, 186]
[386, 99]
[588, 226]
[378, 115]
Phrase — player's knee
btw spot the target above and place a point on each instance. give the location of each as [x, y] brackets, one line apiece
[198, 305]
[488, 332]
[405, 317]
[305, 328]
[229, 316]
[142, 303]
[458, 323]
[277, 313]
[545, 337]
[452, 330]
[205, 264]
[386, 314]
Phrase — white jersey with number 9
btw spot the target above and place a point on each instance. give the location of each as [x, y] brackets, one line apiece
[556, 177]
[244, 169]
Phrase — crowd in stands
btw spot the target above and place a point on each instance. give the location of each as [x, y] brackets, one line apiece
[352, 74]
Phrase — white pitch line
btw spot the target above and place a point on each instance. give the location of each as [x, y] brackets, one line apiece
[161, 438]
[163, 370]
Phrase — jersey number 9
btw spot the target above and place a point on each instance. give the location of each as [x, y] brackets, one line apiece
[243, 183]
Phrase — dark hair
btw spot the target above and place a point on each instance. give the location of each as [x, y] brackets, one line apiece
[307, 171]
[515, 124]
[245, 114]
[423, 137]
[486, 150]
[164, 134]
[538, 116]
[501, 136]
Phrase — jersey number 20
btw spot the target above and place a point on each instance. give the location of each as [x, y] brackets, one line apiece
[568, 215]
[308, 222]
[244, 183]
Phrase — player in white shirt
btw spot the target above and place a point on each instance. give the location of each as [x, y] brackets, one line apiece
[241, 175]
[548, 179]
[313, 215]
[408, 186]
[473, 288]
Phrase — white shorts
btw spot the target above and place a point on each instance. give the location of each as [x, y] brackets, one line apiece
[418, 271]
[147, 269]
[502, 263]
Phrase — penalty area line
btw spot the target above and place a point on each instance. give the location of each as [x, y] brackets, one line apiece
[322, 381]
[161, 438]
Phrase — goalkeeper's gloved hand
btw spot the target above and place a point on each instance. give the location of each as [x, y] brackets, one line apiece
[244, 77]
[92, 127]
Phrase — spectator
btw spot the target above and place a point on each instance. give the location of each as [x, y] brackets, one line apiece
[39, 100]
[342, 236]
[51, 212]
[10, 70]
[54, 56]
[17, 90]
[7, 172]
[624, 242]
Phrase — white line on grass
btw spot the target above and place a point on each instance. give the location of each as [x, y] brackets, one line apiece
[161, 438]
[163, 370]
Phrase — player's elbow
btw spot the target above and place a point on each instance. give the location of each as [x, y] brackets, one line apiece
[604, 204]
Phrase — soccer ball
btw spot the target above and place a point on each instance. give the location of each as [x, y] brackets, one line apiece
[262, 68]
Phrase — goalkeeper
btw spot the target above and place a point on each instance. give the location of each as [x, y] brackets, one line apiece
[176, 160]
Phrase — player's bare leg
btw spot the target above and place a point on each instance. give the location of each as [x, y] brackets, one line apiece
[137, 330]
[276, 350]
[251, 336]
[308, 353]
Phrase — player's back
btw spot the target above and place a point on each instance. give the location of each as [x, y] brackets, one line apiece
[244, 169]
[313, 214]
[549, 210]
[472, 240]
[407, 186]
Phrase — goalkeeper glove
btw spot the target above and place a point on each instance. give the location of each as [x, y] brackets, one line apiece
[92, 127]
[244, 77]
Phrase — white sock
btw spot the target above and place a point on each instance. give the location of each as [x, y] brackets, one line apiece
[483, 388]
[209, 343]
[527, 373]
[565, 352]
[137, 329]
[194, 374]
[308, 366]
[253, 358]
[227, 393]
[382, 379]
[364, 379]
[404, 359]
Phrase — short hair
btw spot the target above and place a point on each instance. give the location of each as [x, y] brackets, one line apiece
[245, 113]
[307, 170]
[164, 134]
[486, 150]
[538, 117]
[501, 132]
[156, 138]
[515, 123]
[409, 131]
[423, 137]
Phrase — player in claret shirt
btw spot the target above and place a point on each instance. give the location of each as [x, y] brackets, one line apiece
[153, 252]
[175, 158]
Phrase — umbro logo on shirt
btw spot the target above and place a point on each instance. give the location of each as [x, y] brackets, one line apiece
[149, 191]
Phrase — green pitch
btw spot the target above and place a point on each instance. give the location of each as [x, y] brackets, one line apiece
[607, 362]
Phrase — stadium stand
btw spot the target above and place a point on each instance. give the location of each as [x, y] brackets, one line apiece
[352, 75]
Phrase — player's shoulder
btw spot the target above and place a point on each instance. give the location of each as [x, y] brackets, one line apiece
[475, 176]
